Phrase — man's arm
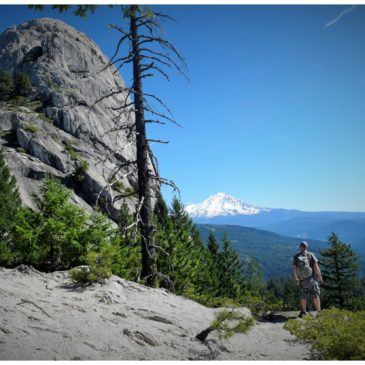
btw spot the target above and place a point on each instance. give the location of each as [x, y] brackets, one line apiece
[295, 272]
[317, 271]
[316, 268]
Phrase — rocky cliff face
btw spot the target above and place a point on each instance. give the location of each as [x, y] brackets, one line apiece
[61, 124]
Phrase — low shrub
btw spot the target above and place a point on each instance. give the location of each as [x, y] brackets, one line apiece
[21, 150]
[31, 128]
[99, 265]
[71, 151]
[80, 274]
[44, 118]
[227, 323]
[212, 302]
[334, 333]
[223, 323]
[259, 304]
[80, 169]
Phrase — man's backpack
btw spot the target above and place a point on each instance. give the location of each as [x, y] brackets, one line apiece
[304, 265]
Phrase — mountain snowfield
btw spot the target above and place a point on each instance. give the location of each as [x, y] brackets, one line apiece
[221, 204]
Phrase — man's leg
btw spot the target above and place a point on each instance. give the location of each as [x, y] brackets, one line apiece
[315, 295]
[303, 304]
[317, 304]
[304, 294]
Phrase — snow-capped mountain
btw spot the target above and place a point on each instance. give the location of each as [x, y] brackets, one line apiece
[221, 204]
[224, 209]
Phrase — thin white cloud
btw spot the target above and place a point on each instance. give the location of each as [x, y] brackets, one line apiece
[339, 16]
[267, 67]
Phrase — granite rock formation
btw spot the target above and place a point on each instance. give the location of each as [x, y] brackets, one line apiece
[64, 122]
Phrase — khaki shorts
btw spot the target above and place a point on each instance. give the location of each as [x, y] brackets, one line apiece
[309, 287]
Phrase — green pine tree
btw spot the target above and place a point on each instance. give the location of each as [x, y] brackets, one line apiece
[161, 210]
[340, 273]
[22, 84]
[283, 288]
[230, 268]
[255, 277]
[10, 203]
[6, 85]
[213, 246]
[129, 265]
[51, 238]
[214, 264]
[182, 257]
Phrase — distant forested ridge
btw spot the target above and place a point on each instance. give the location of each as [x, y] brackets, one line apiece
[273, 251]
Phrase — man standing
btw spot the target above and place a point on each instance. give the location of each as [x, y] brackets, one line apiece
[307, 275]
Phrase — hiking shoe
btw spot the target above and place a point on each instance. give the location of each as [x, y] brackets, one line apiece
[302, 314]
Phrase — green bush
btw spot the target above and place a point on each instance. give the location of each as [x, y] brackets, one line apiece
[99, 265]
[80, 274]
[336, 334]
[80, 169]
[210, 301]
[119, 186]
[260, 304]
[31, 128]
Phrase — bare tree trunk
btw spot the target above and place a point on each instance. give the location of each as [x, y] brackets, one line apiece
[149, 266]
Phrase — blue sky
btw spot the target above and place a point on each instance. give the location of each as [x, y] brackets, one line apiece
[274, 113]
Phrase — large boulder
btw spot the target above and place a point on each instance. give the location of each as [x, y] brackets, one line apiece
[64, 121]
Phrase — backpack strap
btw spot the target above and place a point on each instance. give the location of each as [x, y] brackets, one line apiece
[310, 259]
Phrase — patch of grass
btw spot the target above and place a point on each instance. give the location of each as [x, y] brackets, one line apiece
[119, 186]
[31, 128]
[68, 91]
[71, 151]
[53, 86]
[6, 133]
[17, 101]
[44, 118]
[35, 106]
[21, 150]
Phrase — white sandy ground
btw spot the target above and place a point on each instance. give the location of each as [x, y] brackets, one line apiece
[44, 317]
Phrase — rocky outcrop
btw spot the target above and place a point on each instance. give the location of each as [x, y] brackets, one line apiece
[62, 123]
[46, 317]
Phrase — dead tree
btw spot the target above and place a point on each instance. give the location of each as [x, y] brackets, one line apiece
[146, 62]
[149, 54]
